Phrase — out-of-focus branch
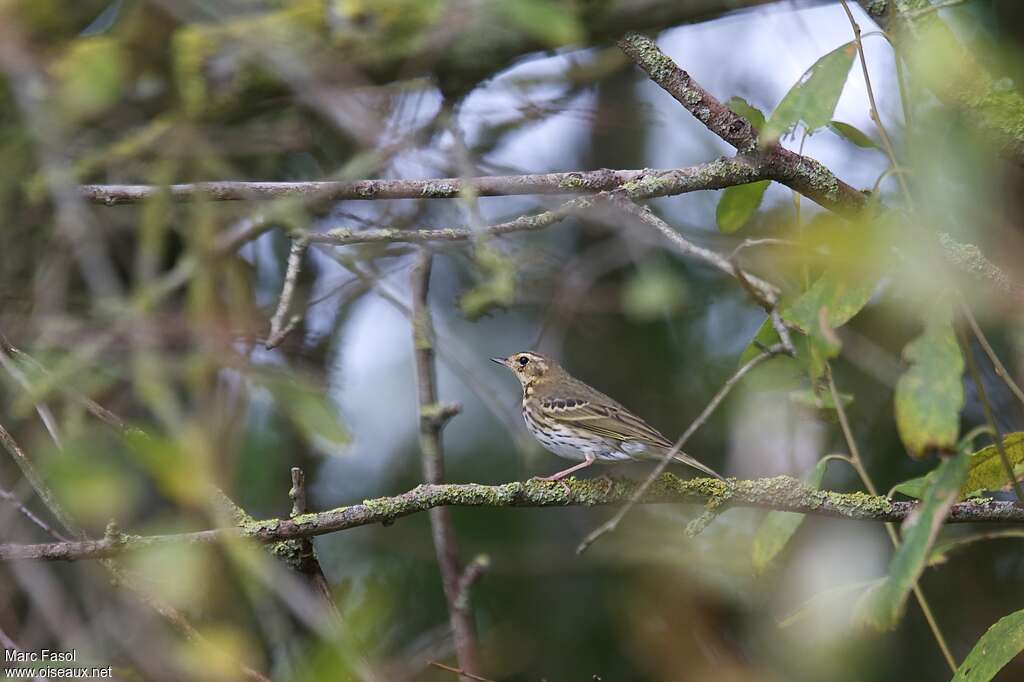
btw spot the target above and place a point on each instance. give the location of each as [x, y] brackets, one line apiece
[782, 493]
[801, 173]
[433, 417]
[648, 183]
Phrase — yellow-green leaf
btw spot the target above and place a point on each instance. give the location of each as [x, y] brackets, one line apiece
[778, 527]
[738, 204]
[930, 395]
[839, 294]
[883, 605]
[997, 647]
[987, 471]
[814, 97]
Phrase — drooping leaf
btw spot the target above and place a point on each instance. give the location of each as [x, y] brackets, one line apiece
[883, 606]
[987, 471]
[738, 204]
[853, 134]
[747, 111]
[930, 395]
[814, 97]
[997, 647]
[840, 294]
[778, 527]
[832, 301]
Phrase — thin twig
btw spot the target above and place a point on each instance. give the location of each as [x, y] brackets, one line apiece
[997, 364]
[890, 150]
[990, 419]
[765, 293]
[858, 466]
[28, 514]
[677, 447]
[433, 417]
[278, 328]
[459, 671]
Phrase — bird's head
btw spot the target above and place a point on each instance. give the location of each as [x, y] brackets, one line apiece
[528, 367]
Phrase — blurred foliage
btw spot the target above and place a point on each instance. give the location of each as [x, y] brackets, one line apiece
[140, 405]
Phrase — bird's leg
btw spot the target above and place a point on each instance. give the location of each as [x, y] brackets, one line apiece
[560, 476]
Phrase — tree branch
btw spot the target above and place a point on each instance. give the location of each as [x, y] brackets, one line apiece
[433, 417]
[711, 175]
[801, 173]
[782, 493]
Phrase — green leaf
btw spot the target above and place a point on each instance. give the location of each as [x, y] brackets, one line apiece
[813, 99]
[738, 204]
[307, 407]
[778, 526]
[549, 22]
[930, 395]
[652, 293]
[747, 111]
[852, 134]
[882, 606]
[834, 292]
[997, 647]
[987, 471]
[832, 301]
[766, 336]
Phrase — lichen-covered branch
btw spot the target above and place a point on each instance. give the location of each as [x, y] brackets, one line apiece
[801, 173]
[782, 493]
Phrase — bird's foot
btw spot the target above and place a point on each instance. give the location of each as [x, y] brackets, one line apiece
[554, 478]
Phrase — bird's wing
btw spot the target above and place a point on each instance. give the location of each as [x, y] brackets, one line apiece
[609, 420]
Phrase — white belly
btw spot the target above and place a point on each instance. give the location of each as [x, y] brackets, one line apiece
[564, 442]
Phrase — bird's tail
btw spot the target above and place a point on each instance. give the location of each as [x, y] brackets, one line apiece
[690, 461]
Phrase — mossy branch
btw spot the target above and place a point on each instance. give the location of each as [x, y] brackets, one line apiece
[782, 493]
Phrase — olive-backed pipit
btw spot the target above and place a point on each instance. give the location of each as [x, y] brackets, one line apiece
[580, 423]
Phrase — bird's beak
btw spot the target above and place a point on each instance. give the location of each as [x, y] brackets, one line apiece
[501, 361]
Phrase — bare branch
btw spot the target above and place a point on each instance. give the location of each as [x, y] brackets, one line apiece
[278, 328]
[433, 417]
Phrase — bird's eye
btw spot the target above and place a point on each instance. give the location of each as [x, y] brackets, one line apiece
[523, 360]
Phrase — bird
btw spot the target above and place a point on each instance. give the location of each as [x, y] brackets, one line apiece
[578, 422]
